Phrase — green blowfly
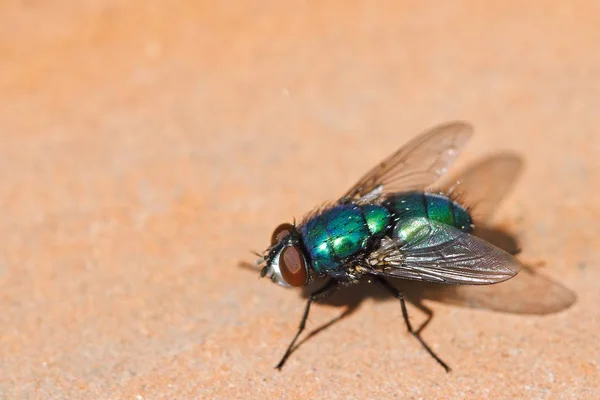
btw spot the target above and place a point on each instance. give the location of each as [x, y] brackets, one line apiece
[393, 223]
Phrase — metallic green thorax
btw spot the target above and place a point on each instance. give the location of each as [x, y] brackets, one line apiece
[338, 233]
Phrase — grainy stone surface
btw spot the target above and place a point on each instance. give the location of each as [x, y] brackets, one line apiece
[147, 146]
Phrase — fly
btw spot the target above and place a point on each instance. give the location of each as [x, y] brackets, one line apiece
[391, 224]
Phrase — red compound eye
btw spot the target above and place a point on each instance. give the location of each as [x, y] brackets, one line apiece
[292, 265]
[280, 232]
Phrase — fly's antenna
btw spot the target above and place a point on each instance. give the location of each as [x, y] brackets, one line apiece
[261, 259]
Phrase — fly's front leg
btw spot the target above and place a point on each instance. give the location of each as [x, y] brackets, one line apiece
[319, 294]
[397, 294]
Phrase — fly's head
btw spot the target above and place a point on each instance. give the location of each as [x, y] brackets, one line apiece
[285, 260]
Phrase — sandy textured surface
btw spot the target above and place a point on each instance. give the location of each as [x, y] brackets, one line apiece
[147, 147]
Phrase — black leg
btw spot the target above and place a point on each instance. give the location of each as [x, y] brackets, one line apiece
[386, 286]
[427, 312]
[349, 310]
[319, 294]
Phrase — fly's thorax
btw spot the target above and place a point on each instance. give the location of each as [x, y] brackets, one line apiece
[377, 218]
[433, 206]
[335, 235]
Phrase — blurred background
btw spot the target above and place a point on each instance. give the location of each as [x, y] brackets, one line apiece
[148, 146]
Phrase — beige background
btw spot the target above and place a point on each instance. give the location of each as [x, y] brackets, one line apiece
[147, 147]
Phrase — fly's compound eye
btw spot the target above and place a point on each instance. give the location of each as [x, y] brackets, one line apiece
[292, 266]
[280, 232]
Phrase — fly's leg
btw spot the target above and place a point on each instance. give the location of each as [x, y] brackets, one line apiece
[319, 294]
[427, 312]
[386, 286]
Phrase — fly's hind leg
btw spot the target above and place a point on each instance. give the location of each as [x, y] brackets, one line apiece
[381, 282]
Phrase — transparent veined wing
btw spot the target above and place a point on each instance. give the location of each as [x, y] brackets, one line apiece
[426, 250]
[416, 165]
[483, 185]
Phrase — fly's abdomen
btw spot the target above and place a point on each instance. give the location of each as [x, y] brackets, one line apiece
[335, 235]
[436, 207]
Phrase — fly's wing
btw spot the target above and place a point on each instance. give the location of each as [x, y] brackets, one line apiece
[425, 250]
[483, 185]
[415, 166]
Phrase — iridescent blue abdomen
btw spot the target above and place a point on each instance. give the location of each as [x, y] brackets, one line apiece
[436, 207]
[335, 235]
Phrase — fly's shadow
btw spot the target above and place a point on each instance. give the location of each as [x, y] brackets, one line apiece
[483, 185]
